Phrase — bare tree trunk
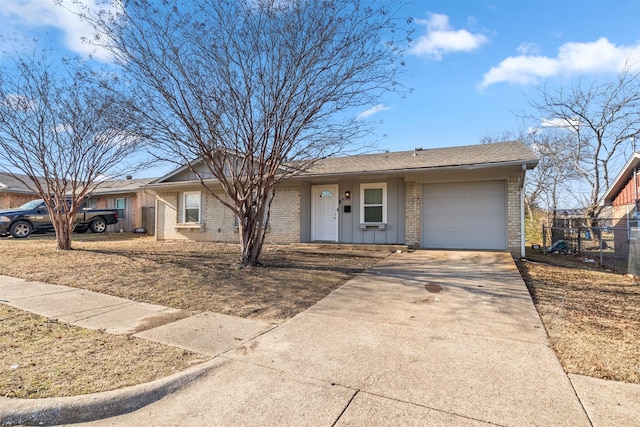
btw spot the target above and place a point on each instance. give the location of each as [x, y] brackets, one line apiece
[63, 239]
[254, 227]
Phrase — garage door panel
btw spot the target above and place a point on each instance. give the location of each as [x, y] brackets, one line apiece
[473, 189]
[468, 215]
[449, 240]
[489, 206]
[493, 224]
[452, 206]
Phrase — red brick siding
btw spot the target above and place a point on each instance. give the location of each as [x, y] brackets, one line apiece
[12, 200]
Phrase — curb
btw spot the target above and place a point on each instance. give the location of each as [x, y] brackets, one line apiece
[91, 407]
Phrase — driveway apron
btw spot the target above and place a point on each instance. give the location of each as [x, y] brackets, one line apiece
[423, 338]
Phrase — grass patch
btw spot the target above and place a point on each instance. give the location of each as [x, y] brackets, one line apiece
[193, 276]
[41, 358]
[591, 314]
[44, 358]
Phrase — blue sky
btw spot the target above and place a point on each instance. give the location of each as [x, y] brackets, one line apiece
[471, 66]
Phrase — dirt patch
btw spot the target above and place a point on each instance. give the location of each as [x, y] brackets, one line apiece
[434, 289]
[160, 320]
[591, 314]
[44, 358]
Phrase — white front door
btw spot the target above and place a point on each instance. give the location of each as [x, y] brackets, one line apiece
[324, 213]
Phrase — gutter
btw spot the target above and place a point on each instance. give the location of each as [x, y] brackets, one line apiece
[527, 164]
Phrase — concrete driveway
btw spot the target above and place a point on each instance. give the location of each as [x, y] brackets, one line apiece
[423, 338]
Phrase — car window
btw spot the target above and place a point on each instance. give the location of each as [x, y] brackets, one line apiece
[33, 204]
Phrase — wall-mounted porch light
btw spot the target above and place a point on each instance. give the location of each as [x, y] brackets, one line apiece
[347, 195]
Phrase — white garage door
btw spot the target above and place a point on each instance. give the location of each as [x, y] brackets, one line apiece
[464, 215]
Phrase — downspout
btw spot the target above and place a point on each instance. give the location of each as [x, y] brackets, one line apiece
[155, 218]
[636, 204]
[635, 184]
[635, 187]
[522, 246]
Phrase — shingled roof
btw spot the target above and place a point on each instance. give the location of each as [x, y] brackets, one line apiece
[121, 186]
[8, 184]
[513, 152]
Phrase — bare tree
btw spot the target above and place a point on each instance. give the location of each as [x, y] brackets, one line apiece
[603, 117]
[62, 128]
[254, 90]
[549, 184]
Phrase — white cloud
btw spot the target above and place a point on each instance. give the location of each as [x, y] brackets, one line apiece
[32, 16]
[528, 49]
[440, 38]
[371, 111]
[573, 58]
[19, 102]
[561, 123]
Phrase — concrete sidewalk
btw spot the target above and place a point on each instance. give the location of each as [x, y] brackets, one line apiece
[423, 338]
[86, 309]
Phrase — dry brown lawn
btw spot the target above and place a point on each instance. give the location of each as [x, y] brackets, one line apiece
[591, 314]
[44, 358]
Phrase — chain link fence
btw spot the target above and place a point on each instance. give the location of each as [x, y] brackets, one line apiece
[611, 242]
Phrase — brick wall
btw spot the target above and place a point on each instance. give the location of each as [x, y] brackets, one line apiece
[284, 223]
[218, 224]
[620, 233]
[12, 200]
[514, 215]
[167, 214]
[413, 217]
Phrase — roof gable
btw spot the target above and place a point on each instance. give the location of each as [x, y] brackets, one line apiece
[198, 169]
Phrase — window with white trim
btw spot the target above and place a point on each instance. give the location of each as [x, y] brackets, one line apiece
[373, 203]
[191, 207]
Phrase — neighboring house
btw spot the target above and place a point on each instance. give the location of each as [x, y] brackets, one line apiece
[576, 218]
[135, 205]
[13, 193]
[569, 218]
[446, 198]
[624, 198]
